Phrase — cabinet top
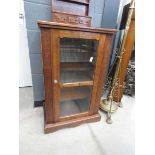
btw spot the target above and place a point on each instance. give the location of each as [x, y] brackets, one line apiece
[62, 26]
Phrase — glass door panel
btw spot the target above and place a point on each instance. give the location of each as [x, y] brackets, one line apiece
[78, 58]
[75, 100]
[77, 65]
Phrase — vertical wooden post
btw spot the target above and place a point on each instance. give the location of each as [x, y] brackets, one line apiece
[125, 60]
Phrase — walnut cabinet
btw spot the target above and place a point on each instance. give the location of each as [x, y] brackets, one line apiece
[74, 65]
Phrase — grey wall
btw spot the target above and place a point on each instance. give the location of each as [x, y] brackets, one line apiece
[36, 10]
[110, 13]
[96, 12]
[41, 10]
[117, 38]
[110, 20]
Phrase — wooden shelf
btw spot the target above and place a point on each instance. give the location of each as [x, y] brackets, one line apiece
[77, 47]
[76, 66]
[74, 93]
[76, 84]
[75, 76]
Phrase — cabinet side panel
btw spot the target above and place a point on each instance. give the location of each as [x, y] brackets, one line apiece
[103, 66]
[47, 69]
[100, 55]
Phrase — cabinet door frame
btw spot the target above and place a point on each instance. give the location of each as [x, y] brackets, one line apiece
[55, 42]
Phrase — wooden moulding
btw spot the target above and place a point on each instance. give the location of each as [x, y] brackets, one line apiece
[71, 123]
[76, 84]
[62, 26]
[71, 19]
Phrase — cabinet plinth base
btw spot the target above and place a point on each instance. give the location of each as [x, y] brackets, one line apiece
[52, 127]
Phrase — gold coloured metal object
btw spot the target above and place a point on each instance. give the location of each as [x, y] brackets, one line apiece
[105, 105]
[109, 120]
[108, 104]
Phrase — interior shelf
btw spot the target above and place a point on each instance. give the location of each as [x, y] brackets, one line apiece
[75, 100]
[76, 66]
[74, 93]
[74, 107]
[75, 76]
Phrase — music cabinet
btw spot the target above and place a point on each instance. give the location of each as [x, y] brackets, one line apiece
[74, 57]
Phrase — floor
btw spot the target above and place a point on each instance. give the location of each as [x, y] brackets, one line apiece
[88, 139]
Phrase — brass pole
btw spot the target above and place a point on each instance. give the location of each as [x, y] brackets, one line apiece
[109, 101]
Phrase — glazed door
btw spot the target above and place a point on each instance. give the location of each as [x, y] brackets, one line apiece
[75, 71]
